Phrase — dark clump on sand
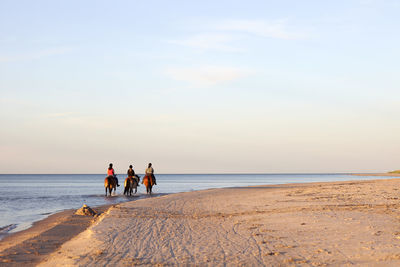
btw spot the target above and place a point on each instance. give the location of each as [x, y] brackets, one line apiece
[86, 211]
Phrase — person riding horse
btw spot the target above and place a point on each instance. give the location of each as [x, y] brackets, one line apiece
[110, 172]
[131, 182]
[131, 173]
[149, 180]
[150, 172]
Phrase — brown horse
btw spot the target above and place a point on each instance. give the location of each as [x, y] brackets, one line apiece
[149, 181]
[130, 183]
[110, 183]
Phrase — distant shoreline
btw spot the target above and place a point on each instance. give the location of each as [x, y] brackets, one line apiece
[377, 174]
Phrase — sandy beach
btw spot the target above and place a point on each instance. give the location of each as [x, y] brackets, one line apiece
[337, 223]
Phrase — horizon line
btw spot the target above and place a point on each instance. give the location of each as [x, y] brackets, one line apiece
[221, 173]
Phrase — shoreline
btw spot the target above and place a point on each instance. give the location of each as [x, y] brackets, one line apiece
[25, 246]
[9, 229]
[45, 236]
[12, 226]
[48, 243]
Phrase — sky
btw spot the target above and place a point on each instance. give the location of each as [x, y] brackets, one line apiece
[199, 86]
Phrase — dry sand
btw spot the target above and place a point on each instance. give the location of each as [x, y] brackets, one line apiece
[339, 223]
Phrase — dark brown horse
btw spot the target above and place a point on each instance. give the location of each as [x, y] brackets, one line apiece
[149, 181]
[111, 183]
[130, 183]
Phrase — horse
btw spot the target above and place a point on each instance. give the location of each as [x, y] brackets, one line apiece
[130, 183]
[111, 183]
[149, 181]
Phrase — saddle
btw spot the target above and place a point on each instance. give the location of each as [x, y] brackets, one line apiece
[149, 178]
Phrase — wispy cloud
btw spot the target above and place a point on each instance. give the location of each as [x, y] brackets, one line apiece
[272, 29]
[36, 55]
[221, 35]
[209, 41]
[206, 76]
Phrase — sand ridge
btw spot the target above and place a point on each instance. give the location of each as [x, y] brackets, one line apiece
[339, 223]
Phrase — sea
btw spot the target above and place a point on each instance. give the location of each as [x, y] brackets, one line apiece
[27, 198]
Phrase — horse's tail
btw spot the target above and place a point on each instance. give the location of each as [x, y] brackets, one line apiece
[127, 182]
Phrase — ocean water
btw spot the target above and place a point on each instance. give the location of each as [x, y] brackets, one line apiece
[31, 197]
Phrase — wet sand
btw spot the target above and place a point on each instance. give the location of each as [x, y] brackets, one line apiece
[337, 223]
[31, 246]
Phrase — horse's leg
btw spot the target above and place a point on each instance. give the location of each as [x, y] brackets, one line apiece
[106, 190]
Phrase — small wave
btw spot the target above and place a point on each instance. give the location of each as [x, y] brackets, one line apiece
[17, 198]
[7, 228]
[95, 195]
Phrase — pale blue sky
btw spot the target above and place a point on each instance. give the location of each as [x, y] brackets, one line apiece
[199, 86]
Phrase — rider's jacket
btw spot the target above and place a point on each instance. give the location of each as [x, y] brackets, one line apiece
[150, 170]
[131, 172]
[110, 172]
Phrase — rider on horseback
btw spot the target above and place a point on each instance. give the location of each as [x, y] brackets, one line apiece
[150, 173]
[131, 173]
[110, 172]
